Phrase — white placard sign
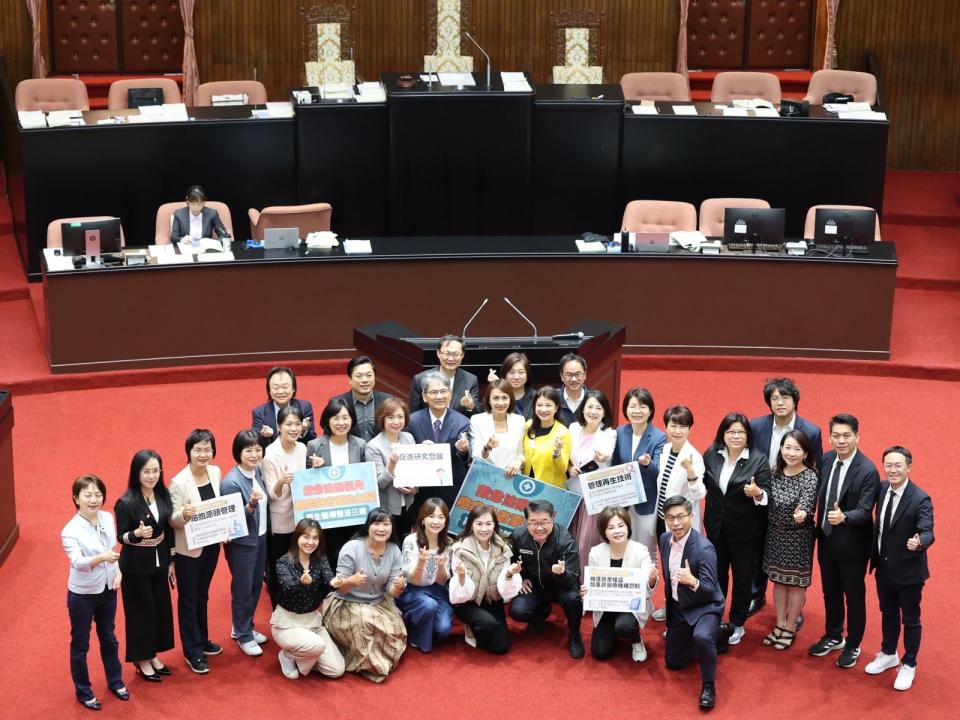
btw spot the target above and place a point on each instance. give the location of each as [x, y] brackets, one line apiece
[612, 589]
[617, 486]
[218, 519]
[426, 465]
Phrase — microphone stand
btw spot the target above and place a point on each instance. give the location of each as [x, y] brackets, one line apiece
[488, 65]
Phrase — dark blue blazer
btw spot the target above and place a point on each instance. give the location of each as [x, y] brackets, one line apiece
[235, 482]
[462, 381]
[708, 599]
[421, 427]
[651, 443]
[849, 541]
[264, 415]
[210, 224]
[914, 516]
[761, 428]
[565, 414]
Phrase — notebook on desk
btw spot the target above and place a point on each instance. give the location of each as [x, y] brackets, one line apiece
[281, 238]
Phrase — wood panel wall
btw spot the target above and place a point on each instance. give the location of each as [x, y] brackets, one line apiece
[915, 41]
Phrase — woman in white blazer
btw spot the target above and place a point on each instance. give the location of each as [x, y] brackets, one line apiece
[618, 550]
[198, 481]
[496, 435]
[684, 475]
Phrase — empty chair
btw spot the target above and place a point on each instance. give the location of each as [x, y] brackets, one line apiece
[729, 86]
[712, 212]
[165, 212]
[659, 216]
[55, 229]
[809, 227]
[255, 91]
[863, 86]
[655, 86]
[118, 97]
[51, 94]
[308, 218]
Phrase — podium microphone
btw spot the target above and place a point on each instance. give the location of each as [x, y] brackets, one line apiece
[507, 301]
[473, 317]
[488, 84]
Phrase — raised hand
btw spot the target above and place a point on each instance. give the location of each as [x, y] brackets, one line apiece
[189, 512]
[255, 497]
[687, 463]
[599, 457]
[316, 461]
[305, 425]
[835, 516]
[305, 579]
[286, 476]
[491, 443]
[644, 459]
[425, 554]
[399, 584]
[492, 375]
[559, 567]
[462, 444]
[144, 532]
[514, 569]
[557, 447]
[751, 489]
[466, 402]
[684, 576]
[654, 574]
[266, 431]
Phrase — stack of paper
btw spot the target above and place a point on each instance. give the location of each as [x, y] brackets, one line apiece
[684, 109]
[64, 118]
[644, 109]
[586, 246]
[847, 107]
[765, 112]
[322, 240]
[515, 82]
[861, 115]
[30, 119]
[357, 247]
[456, 79]
[371, 92]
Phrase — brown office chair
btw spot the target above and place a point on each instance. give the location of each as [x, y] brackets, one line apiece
[729, 86]
[309, 218]
[51, 94]
[809, 226]
[165, 212]
[655, 86]
[117, 98]
[863, 86]
[55, 229]
[712, 212]
[659, 216]
[255, 91]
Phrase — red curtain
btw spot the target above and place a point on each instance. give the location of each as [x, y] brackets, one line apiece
[191, 75]
[830, 54]
[682, 38]
[39, 66]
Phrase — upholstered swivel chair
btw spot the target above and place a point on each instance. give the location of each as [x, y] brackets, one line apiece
[164, 223]
[255, 91]
[55, 229]
[655, 86]
[308, 218]
[659, 216]
[51, 94]
[729, 86]
[712, 212]
[117, 98]
[863, 86]
[809, 226]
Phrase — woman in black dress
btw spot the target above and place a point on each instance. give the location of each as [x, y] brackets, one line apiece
[143, 527]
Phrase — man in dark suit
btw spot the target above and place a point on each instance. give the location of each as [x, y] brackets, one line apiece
[694, 599]
[281, 391]
[848, 491]
[783, 398]
[573, 375]
[898, 553]
[362, 396]
[437, 423]
[465, 394]
[195, 220]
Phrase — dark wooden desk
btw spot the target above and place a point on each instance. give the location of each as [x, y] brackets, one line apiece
[673, 303]
[9, 528]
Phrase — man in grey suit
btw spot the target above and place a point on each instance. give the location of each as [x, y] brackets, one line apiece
[465, 395]
[195, 220]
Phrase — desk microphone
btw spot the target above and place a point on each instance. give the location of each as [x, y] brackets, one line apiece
[473, 317]
[488, 87]
[507, 301]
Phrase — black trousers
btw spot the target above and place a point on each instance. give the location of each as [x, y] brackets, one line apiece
[844, 593]
[193, 579]
[685, 642]
[535, 607]
[899, 604]
[277, 545]
[336, 538]
[488, 622]
[613, 625]
[738, 559]
[148, 614]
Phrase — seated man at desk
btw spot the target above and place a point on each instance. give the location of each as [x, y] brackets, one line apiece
[463, 384]
[196, 221]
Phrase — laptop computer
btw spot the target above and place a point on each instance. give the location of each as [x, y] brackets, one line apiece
[281, 238]
[651, 242]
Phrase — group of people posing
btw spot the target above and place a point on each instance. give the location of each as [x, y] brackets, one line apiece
[353, 599]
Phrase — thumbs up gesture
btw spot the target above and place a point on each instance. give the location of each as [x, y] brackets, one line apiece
[315, 461]
[461, 572]
[559, 567]
[751, 489]
[835, 516]
[399, 584]
[255, 497]
[305, 579]
[799, 515]
[514, 569]
[462, 444]
[913, 544]
[654, 574]
[687, 463]
[684, 576]
[144, 532]
[466, 402]
[286, 476]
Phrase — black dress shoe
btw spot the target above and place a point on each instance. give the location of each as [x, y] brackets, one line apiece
[121, 693]
[211, 648]
[723, 638]
[152, 677]
[756, 605]
[163, 670]
[708, 695]
[91, 704]
[198, 665]
[576, 647]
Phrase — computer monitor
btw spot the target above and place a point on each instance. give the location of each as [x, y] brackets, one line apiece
[753, 225]
[844, 226]
[91, 237]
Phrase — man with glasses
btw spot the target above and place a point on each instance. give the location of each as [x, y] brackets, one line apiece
[694, 599]
[573, 375]
[550, 572]
[465, 395]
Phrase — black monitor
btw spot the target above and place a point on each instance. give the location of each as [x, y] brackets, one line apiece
[844, 226]
[753, 225]
[138, 97]
[91, 237]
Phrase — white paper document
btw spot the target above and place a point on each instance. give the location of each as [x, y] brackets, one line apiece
[455, 79]
[515, 82]
[371, 92]
[765, 112]
[280, 109]
[30, 119]
[57, 263]
[215, 257]
[684, 109]
[734, 112]
[862, 115]
[429, 77]
[587, 246]
[357, 247]
[644, 110]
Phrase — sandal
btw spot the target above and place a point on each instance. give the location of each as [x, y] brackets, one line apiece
[785, 640]
[772, 638]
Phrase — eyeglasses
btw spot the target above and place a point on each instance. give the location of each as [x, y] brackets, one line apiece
[735, 433]
[676, 518]
[437, 393]
[573, 376]
[452, 354]
[540, 525]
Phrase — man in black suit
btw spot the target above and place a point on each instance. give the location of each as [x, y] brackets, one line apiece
[849, 483]
[573, 375]
[783, 398]
[362, 396]
[902, 534]
[694, 599]
[465, 398]
[281, 391]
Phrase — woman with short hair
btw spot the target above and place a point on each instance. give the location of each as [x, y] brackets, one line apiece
[391, 417]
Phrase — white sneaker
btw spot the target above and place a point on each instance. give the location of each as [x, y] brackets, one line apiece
[288, 665]
[882, 662]
[468, 637]
[737, 636]
[638, 652]
[258, 636]
[905, 677]
[660, 614]
[250, 648]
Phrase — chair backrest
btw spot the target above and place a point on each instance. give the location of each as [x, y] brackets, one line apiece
[117, 99]
[729, 86]
[809, 226]
[309, 218]
[712, 212]
[55, 229]
[863, 86]
[51, 94]
[655, 86]
[659, 216]
[254, 90]
[165, 212]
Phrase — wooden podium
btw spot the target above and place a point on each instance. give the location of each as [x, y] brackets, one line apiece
[9, 529]
[400, 353]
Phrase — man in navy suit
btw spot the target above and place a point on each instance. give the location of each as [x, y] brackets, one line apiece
[465, 394]
[783, 398]
[281, 391]
[898, 553]
[195, 220]
[849, 483]
[363, 397]
[694, 599]
[573, 375]
[437, 423]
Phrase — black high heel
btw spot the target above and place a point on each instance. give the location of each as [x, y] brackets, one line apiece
[162, 670]
[152, 677]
